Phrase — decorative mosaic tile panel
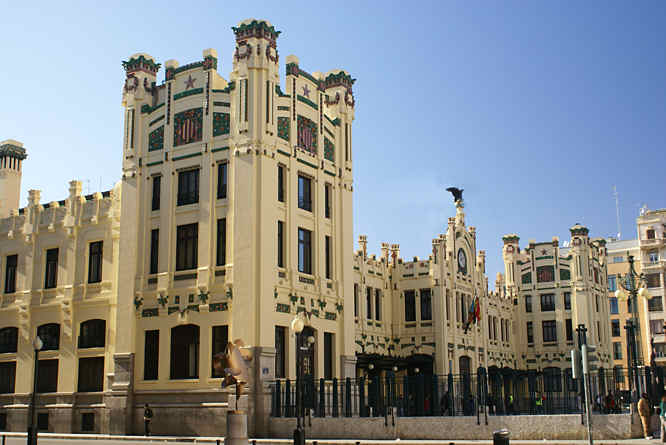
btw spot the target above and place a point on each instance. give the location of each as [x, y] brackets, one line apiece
[526, 278]
[307, 134]
[156, 139]
[149, 312]
[281, 307]
[187, 126]
[331, 316]
[283, 128]
[329, 150]
[220, 124]
[218, 307]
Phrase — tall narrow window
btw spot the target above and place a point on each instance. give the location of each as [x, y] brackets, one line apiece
[328, 356]
[378, 305]
[95, 262]
[186, 246]
[327, 201]
[220, 340]
[7, 378]
[10, 274]
[567, 301]
[355, 300]
[222, 180]
[547, 302]
[410, 306]
[426, 304]
[528, 303]
[304, 193]
[280, 348]
[151, 355]
[327, 253]
[51, 275]
[280, 183]
[280, 244]
[188, 187]
[185, 352]
[569, 329]
[549, 331]
[368, 302]
[132, 128]
[157, 185]
[246, 94]
[268, 101]
[91, 374]
[222, 241]
[304, 251]
[530, 333]
[48, 376]
[154, 250]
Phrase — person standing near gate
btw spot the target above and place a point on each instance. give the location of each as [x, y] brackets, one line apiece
[644, 411]
[147, 417]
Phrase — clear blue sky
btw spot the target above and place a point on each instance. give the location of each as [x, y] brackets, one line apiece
[535, 108]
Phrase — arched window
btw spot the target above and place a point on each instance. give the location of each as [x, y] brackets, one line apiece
[552, 379]
[185, 352]
[93, 334]
[8, 339]
[50, 335]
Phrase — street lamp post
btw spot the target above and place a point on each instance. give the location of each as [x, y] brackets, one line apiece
[297, 325]
[37, 344]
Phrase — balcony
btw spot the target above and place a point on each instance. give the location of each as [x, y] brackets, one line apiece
[651, 243]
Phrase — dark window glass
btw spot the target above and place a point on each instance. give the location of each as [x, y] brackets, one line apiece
[3, 421]
[327, 248]
[43, 418]
[615, 328]
[652, 280]
[220, 340]
[222, 180]
[280, 246]
[368, 302]
[154, 250]
[426, 304]
[567, 301]
[8, 339]
[222, 241]
[95, 262]
[552, 380]
[185, 352]
[304, 193]
[410, 305]
[528, 303]
[650, 234]
[304, 251]
[280, 349]
[656, 327]
[151, 355]
[547, 302]
[7, 377]
[655, 304]
[280, 184]
[48, 376]
[328, 355]
[188, 187]
[91, 374]
[10, 274]
[87, 422]
[355, 300]
[50, 335]
[614, 308]
[93, 334]
[569, 329]
[545, 274]
[187, 246]
[530, 332]
[378, 305]
[549, 331]
[617, 350]
[51, 272]
[327, 201]
[612, 283]
[157, 185]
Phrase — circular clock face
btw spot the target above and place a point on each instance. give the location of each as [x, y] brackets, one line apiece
[462, 261]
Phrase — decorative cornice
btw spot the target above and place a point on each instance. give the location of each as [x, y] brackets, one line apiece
[141, 63]
[258, 29]
[13, 151]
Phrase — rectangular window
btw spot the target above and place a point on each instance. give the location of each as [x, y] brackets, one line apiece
[569, 329]
[547, 302]
[222, 180]
[95, 262]
[280, 349]
[653, 256]
[652, 280]
[545, 274]
[43, 418]
[51, 275]
[10, 274]
[618, 259]
[327, 253]
[655, 304]
[328, 356]
[327, 201]
[186, 246]
[368, 302]
[410, 306]
[157, 185]
[614, 308]
[304, 193]
[304, 251]
[549, 331]
[87, 422]
[188, 187]
[91, 374]
[528, 303]
[426, 304]
[280, 244]
[221, 241]
[615, 328]
[48, 376]
[220, 340]
[280, 184]
[612, 283]
[656, 327]
[355, 300]
[7, 377]
[617, 350]
[378, 305]
[650, 234]
[530, 333]
[151, 355]
[567, 301]
[154, 250]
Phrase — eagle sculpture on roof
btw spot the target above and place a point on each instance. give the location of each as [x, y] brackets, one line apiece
[456, 192]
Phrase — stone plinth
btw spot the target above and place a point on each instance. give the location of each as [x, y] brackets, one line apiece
[236, 428]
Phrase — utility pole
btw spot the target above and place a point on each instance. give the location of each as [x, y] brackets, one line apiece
[586, 386]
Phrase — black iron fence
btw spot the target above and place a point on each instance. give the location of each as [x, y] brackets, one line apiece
[493, 392]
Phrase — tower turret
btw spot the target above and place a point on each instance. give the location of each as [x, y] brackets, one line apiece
[12, 154]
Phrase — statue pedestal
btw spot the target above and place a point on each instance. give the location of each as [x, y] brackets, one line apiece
[236, 428]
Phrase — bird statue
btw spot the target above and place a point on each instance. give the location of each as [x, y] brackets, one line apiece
[233, 362]
[456, 192]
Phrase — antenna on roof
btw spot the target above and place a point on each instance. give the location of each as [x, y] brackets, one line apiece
[617, 212]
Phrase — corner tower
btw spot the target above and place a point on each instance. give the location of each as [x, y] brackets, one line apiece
[12, 154]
